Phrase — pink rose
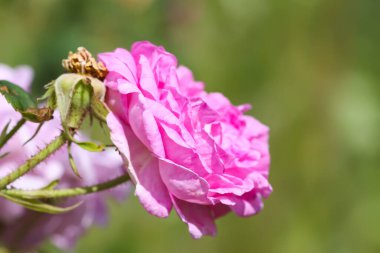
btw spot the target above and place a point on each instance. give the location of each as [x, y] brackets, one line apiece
[188, 149]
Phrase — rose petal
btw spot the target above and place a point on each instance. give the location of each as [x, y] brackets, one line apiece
[147, 81]
[184, 183]
[144, 125]
[199, 218]
[144, 169]
[116, 65]
[248, 206]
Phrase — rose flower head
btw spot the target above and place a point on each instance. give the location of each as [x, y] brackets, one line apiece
[187, 148]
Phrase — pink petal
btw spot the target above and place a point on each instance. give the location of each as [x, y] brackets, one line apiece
[144, 125]
[126, 87]
[248, 206]
[184, 183]
[255, 128]
[220, 210]
[150, 189]
[147, 82]
[209, 153]
[157, 55]
[223, 184]
[188, 85]
[144, 169]
[199, 218]
[179, 152]
[126, 57]
[116, 65]
[21, 75]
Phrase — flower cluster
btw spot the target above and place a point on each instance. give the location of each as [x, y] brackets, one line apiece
[188, 149]
[21, 229]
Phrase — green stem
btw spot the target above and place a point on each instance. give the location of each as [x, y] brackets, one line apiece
[9, 135]
[70, 192]
[58, 142]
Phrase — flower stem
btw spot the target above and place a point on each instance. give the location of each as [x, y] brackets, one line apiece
[12, 132]
[53, 146]
[69, 192]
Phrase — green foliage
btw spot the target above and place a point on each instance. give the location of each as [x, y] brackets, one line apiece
[72, 162]
[16, 96]
[3, 134]
[89, 146]
[99, 109]
[35, 133]
[22, 102]
[39, 206]
[51, 185]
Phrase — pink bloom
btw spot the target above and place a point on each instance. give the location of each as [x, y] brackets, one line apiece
[189, 149]
[22, 75]
[21, 229]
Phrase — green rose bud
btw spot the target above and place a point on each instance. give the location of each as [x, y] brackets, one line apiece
[74, 95]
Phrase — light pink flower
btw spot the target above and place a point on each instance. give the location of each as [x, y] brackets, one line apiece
[22, 75]
[21, 229]
[188, 148]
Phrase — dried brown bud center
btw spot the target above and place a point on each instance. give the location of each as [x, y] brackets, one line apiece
[82, 62]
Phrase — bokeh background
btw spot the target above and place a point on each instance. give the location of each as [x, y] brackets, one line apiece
[311, 70]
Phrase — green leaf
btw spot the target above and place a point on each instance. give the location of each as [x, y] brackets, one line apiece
[35, 133]
[6, 136]
[89, 146]
[72, 162]
[38, 115]
[3, 134]
[49, 95]
[22, 102]
[39, 206]
[51, 185]
[17, 96]
[49, 91]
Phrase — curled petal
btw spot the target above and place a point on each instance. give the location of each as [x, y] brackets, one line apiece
[144, 125]
[184, 183]
[199, 218]
[143, 168]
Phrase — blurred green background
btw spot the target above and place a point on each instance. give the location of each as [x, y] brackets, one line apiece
[309, 67]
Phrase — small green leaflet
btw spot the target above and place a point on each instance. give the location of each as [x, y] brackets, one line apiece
[72, 162]
[3, 133]
[35, 133]
[89, 146]
[22, 102]
[99, 109]
[39, 206]
[51, 185]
